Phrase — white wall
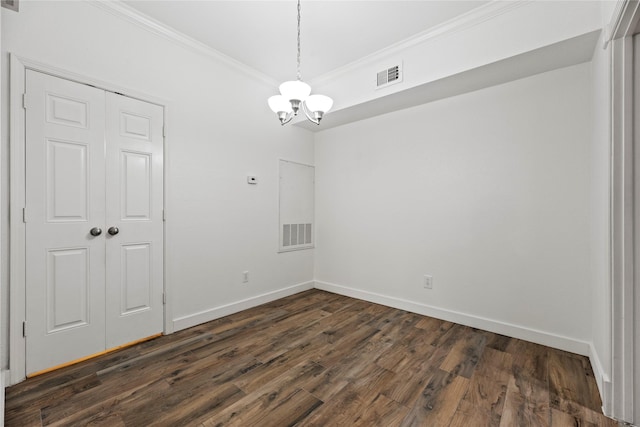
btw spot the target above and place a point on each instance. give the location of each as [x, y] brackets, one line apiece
[599, 185]
[487, 191]
[220, 130]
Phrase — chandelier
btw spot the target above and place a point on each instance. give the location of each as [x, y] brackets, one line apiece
[296, 95]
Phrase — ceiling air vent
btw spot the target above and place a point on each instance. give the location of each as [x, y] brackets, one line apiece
[389, 76]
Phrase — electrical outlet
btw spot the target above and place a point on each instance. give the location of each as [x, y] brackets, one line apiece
[428, 281]
[245, 277]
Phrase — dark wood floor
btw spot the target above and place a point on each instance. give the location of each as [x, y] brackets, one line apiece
[318, 359]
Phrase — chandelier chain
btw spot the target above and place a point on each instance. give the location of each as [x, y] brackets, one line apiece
[296, 96]
[299, 75]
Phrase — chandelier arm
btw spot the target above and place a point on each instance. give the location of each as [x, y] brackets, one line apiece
[306, 113]
[286, 119]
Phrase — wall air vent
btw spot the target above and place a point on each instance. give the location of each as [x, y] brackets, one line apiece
[389, 76]
[296, 234]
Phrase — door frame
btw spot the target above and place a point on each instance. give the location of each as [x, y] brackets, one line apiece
[620, 401]
[17, 243]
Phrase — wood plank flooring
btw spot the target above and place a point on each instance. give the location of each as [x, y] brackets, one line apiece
[318, 359]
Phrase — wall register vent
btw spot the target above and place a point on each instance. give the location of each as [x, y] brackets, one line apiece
[389, 76]
[296, 234]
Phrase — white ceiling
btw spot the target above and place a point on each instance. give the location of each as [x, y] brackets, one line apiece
[262, 34]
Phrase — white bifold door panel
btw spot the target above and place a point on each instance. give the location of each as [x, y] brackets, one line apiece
[93, 216]
[134, 210]
[65, 179]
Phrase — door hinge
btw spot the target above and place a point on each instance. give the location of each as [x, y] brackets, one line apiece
[164, 298]
[164, 131]
[24, 101]
[164, 218]
[24, 329]
[24, 215]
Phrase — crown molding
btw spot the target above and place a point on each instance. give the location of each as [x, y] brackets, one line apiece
[457, 24]
[623, 20]
[129, 14]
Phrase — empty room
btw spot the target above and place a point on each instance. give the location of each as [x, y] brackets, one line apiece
[320, 213]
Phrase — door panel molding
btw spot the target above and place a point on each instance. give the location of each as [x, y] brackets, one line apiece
[61, 316]
[17, 185]
[135, 186]
[135, 295]
[60, 178]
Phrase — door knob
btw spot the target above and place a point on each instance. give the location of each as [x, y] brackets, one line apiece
[113, 231]
[95, 231]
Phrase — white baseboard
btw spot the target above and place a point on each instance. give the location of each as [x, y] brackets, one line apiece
[602, 379]
[503, 328]
[225, 310]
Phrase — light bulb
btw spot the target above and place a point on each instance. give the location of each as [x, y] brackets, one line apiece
[295, 89]
[279, 103]
[318, 103]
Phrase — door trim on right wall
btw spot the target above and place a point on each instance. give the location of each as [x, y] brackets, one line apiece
[17, 262]
[619, 400]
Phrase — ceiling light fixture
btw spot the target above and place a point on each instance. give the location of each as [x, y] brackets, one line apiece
[296, 94]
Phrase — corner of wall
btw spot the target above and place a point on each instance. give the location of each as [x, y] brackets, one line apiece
[194, 319]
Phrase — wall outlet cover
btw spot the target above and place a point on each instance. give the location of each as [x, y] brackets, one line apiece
[428, 281]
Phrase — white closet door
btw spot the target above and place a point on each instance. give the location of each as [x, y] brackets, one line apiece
[94, 227]
[134, 224]
[65, 179]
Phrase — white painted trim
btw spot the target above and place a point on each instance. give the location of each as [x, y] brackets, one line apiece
[516, 331]
[462, 22]
[129, 14]
[610, 28]
[621, 233]
[235, 307]
[17, 262]
[620, 400]
[16, 283]
[31, 64]
[602, 378]
[623, 20]
[4, 380]
[635, 328]
[467, 20]
[168, 289]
